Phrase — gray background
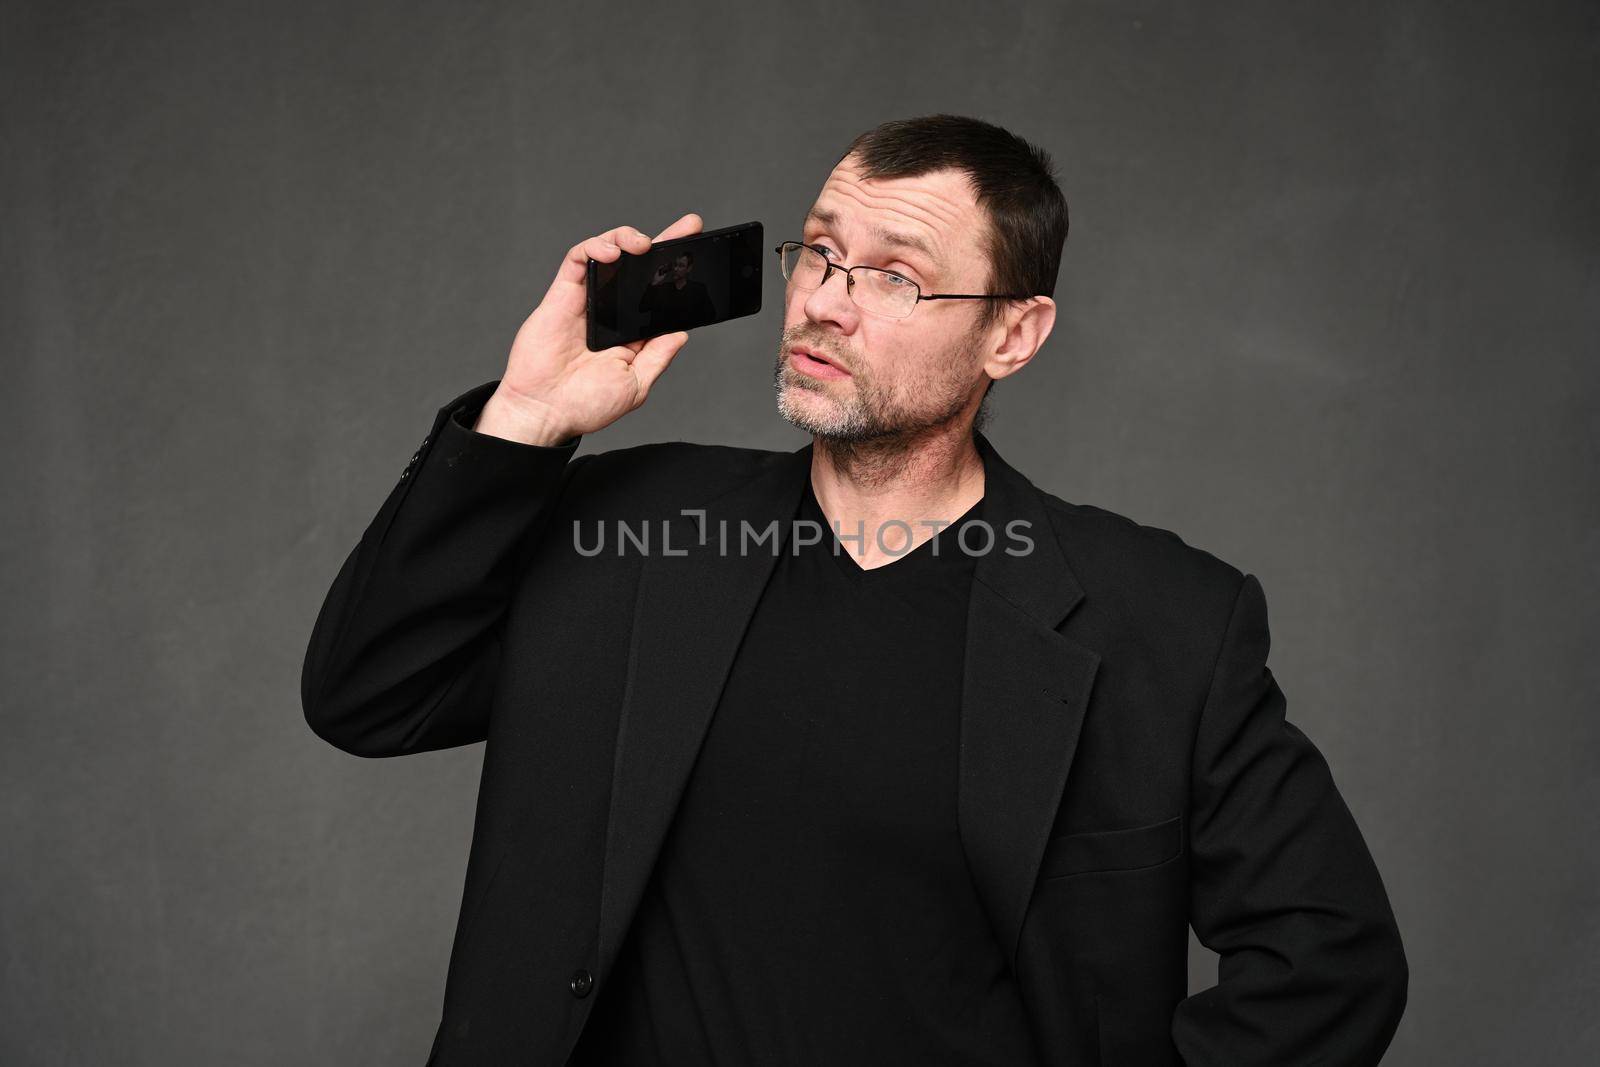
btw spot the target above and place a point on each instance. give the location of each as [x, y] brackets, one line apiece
[1329, 310]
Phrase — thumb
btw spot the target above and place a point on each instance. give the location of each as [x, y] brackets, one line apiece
[655, 355]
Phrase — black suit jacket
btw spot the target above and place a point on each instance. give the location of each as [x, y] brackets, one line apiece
[1125, 769]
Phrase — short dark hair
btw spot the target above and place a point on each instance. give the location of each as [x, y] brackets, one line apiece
[1012, 180]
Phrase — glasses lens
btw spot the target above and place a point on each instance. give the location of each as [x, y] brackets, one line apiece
[877, 291]
[802, 266]
[885, 294]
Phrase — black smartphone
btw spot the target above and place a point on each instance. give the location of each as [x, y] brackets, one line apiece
[681, 284]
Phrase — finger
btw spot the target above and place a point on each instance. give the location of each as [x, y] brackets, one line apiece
[566, 292]
[630, 351]
[690, 223]
[654, 357]
[630, 239]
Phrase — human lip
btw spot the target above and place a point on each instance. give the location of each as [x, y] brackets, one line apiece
[813, 362]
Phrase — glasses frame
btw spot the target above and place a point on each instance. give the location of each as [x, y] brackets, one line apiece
[850, 283]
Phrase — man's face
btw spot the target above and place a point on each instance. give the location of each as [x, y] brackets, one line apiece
[899, 376]
[680, 268]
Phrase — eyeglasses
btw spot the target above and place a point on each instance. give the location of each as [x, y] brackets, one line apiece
[882, 292]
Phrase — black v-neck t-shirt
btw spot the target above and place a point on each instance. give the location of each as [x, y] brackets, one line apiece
[812, 904]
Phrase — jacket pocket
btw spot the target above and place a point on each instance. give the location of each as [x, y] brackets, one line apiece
[1113, 850]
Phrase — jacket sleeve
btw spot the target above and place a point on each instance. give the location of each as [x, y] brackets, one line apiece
[404, 654]
[1282, 885]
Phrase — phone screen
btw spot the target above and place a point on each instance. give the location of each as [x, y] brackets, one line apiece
[681, 284]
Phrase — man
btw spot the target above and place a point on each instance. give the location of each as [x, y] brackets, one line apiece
[672, 300]
[860, 791]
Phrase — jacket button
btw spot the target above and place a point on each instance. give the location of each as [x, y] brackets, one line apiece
[582, 982]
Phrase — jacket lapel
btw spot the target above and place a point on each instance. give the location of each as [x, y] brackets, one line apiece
[1024, 692]
[691, 614]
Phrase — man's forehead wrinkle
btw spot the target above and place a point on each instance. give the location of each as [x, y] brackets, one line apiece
[892, 238]
[929, 208]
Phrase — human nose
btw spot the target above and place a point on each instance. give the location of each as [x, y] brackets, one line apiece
[832, 302]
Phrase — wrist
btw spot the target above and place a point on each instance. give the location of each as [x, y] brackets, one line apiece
[523, 420]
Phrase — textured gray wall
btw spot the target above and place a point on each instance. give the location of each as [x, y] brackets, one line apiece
[1329, 310]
